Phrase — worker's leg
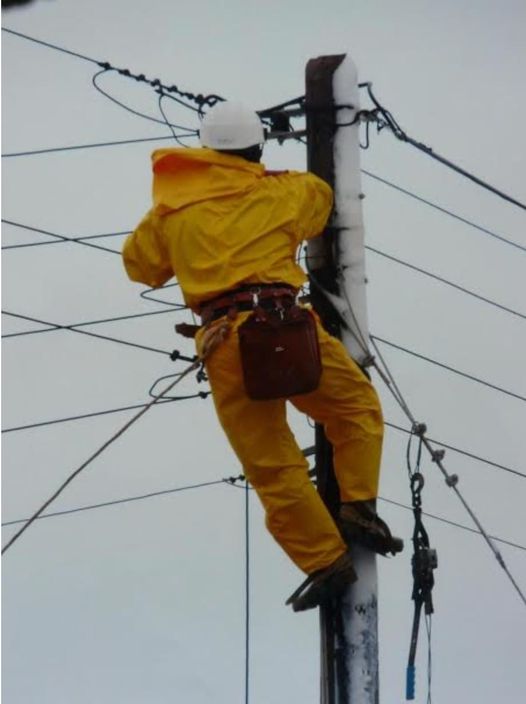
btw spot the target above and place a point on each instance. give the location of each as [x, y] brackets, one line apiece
[273, 463]
[348, 407]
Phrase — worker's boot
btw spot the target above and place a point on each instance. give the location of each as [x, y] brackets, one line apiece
[323, 585]
[359, 523]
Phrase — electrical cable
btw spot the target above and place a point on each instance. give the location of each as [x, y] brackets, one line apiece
[145, 295]
[389, 121]
[200, 100]
[192, 367]
[49, 45]
[129, 109]
[62, 238]
[94, 414]
[450, 479]
[444, 210]
[85, 332]
[90, 322]
[458, 450]
[449, 368]
[231, 481]
[52, 150]
[116, 502]
[436, 455]
[447, 521]
[63, 241]
[387, 118]
[83, 416]
[445, 281]
[161, 96]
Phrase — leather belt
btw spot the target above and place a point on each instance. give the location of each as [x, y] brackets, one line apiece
[247, 298]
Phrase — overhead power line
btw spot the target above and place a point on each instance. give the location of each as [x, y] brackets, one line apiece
[230, 481]
[451, 480]
[385, 119]
[116, 502]
[441, 279]
[72, 328]
[380, 114]
[178, 378]
[466, 453]
[121, 409]
[418, 429]
[49, 45]
[449, 368]
[94, 322]
[60, 238]
[429, 203]
[199, 99]
[52, 150]
[96, 414]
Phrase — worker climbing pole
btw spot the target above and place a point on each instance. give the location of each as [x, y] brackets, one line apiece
[229, 231]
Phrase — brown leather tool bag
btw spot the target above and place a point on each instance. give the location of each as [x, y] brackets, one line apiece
[280, 353]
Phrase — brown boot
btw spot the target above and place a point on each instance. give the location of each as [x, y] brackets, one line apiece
[321, 586]
[359, 523]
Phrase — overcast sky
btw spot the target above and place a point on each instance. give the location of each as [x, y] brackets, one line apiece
[145, 601]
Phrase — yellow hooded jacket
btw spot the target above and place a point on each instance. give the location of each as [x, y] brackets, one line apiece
[219, 221]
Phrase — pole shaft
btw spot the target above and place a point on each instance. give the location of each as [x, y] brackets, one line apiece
[349, 629]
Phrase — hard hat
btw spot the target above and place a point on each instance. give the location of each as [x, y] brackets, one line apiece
[229, 125]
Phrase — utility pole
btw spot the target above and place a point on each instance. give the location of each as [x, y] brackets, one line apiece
[349, 627]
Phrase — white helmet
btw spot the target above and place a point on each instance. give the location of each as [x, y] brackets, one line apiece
[229, 125]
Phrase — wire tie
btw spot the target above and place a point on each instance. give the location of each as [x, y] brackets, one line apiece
[438, 455]
[174, 356]
[155, 82]
[452, 480]
[105, 65]
[421, 429]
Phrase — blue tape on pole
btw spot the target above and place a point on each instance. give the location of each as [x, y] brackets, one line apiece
[410, 682]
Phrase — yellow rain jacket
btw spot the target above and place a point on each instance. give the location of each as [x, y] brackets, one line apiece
[219, 221]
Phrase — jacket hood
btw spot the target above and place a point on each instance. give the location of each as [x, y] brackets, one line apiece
[184, 176]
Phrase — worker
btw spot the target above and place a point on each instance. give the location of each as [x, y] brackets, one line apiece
[229, 230]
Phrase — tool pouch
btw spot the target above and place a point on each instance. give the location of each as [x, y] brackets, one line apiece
[280, 353]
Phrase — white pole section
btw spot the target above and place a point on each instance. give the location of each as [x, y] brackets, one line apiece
[360, 604]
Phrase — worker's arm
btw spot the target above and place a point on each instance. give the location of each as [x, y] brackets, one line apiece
[315, 199]
[144, 253]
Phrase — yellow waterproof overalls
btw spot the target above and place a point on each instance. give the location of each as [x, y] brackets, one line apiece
[219, 221]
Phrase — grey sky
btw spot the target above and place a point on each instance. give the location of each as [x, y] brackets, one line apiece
[144, 602]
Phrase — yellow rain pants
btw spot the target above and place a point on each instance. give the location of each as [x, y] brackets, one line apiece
[347, 406]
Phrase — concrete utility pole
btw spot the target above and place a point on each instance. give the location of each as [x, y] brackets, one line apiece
[349, 629]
